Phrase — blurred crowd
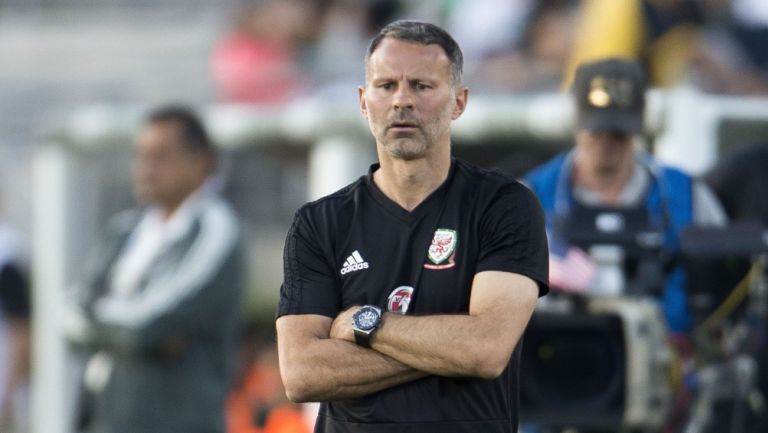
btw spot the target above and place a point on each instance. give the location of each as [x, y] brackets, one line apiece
[277, 51]
[511, 46]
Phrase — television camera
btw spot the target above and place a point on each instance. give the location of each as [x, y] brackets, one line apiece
[603, 362]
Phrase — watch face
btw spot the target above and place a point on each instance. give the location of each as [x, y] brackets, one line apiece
[366, 318]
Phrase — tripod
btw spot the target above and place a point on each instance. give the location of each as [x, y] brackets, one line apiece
[731, 373]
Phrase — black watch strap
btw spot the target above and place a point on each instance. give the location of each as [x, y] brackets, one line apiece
[363, 338]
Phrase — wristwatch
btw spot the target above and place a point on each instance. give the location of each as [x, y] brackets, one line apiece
[365, 321]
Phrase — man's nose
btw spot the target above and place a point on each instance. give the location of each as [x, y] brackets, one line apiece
[403, 98]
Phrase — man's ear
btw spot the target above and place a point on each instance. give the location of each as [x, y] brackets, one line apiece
[462, 94]
[361, 101]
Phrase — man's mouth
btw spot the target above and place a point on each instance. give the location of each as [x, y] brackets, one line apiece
[403, 125]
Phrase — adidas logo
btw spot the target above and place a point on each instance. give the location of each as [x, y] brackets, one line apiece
[354, 262]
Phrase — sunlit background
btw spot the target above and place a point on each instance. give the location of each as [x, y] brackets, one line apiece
[276, 82]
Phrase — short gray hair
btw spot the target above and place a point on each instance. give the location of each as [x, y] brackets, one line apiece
[423, 33]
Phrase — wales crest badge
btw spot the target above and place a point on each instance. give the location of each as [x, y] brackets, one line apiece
[442, 250]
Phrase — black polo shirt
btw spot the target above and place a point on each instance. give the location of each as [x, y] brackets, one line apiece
[358, 247]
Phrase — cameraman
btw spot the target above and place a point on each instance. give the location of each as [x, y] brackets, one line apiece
[609, 191]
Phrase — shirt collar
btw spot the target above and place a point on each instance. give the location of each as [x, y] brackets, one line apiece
[180, 222]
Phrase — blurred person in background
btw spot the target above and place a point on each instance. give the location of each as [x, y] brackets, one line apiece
[405, 293]
[715, 45]
[14, 332]
[608, 173]
[614, 214]
[502, 21]
[260, 60]
[630, 29]
[732, 56]
[346, 27]
[157, 308]
[527, 52]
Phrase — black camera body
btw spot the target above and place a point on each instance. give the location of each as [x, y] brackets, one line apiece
[602, 365]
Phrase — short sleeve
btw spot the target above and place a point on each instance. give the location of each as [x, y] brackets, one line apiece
[310, 285]
[512, 236]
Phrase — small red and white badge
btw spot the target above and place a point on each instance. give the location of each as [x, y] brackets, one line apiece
[442, 251]
[399, 300]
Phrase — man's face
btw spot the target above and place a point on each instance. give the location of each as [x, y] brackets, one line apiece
[603, 152]
[409, 98]
[164, 171]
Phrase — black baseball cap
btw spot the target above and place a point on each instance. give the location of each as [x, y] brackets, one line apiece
[610, 96]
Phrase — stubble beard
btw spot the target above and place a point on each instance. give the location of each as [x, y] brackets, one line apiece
[407, 146]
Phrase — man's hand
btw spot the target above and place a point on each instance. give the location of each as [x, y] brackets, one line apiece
[342, 325]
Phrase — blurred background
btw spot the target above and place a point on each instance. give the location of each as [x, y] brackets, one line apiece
[275, 81]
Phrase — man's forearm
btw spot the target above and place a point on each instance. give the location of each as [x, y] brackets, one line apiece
[476, 344]
[324, 369]
[334, 370]
[446, 345]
